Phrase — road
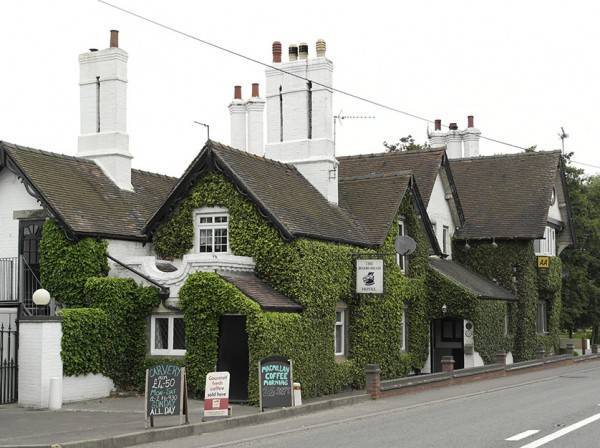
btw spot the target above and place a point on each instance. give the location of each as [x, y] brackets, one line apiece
[553, 408]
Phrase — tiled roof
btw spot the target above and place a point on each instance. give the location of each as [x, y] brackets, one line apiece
[84, 198]
[374, 201]
[423, 164]
[260, 292]
[471, 281]
[505, 196]
[278, 189]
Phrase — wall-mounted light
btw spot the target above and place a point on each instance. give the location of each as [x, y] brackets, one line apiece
[467, 245]
[444, 309]
[494, 244]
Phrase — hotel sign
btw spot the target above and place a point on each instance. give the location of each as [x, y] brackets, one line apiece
[369, 276]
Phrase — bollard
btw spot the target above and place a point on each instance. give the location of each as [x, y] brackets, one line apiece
[297, 394]
[501, 358]
[540, 353]
[55, 391]
[373, 379]
[448, 364]
[570, 348]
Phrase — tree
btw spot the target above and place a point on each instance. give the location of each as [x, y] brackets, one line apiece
[581, 263]
[406, 144]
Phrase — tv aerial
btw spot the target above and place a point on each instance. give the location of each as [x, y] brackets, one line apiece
[341, 116]
[563, 135]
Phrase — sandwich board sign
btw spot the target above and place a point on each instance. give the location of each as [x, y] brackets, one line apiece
[166, 393]
[275, 382]
[369, 276]
[216, 394]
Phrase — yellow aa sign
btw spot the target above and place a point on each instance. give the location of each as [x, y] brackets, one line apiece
[543, 262]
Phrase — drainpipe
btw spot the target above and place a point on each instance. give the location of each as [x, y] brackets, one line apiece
[163, 291]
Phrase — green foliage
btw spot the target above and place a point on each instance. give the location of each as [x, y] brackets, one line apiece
[406, 144]
[317, 275]
[65, 266]
[127, 306]
[512, 264]
[86, 332]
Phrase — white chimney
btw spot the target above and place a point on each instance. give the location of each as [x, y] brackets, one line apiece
[437, 138]
[103, 103]
[471, 138]
[300, 116]
[255, 107]
[454, 142]
[237, 113]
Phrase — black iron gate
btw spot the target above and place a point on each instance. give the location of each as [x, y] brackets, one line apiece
[9, 365]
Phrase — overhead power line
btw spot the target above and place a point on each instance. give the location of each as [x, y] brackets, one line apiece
[274, 67]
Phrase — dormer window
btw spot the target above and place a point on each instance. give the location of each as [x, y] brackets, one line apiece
[547, 245]
[212, 230]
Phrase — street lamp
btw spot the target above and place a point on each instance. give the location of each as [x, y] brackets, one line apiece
[41, 297]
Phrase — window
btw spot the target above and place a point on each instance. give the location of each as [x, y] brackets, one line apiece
[404, 331]
[507, 319]
[401, 259]
[212, 231]
[445, 239]
[542, 317]
[547, 245]
[167, 335]
[340, 332]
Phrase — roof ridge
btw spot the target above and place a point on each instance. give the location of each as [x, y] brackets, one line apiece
[377, 176]
[255, 156]
[390, 153]
[152, 173]
[508, 155]
[44, 152]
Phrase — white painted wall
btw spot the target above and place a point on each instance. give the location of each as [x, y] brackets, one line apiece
[440, 213]
[86, 387]
[123, 250]
[39, 360]
[13, 196]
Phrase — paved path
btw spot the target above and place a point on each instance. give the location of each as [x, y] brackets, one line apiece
[552, 408]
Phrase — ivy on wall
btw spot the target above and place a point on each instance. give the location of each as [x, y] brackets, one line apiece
[65, 266]
[512, 264]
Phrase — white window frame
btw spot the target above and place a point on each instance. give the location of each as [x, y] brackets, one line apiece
[547, 245]
[340, 323]
[445, 238]
[403, 331]
[401, 260]
[541, 321]
[210, 212]
[171, 326]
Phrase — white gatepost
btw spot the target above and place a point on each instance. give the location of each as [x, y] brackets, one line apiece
[39, 359]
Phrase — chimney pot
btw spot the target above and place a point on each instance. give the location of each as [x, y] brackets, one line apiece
[255, 90]
[438, 125]
[453, 127]
[114, 39]
[237, 92]
[293, 52]
[277, 51]
[303, 50]
[470, 121]
[321, 48]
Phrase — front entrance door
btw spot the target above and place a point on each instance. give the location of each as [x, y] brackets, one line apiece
[233, 355]
[30, 234]
[447, 340]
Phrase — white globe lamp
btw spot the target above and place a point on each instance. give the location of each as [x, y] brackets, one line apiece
[41, 297]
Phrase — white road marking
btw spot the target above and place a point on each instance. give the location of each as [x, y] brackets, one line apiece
[562, 432]
[522, 435]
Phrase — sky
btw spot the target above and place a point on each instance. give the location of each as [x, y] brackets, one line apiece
[522, 68]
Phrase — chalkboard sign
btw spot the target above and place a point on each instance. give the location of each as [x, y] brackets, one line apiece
[275, 382]
[166, 392]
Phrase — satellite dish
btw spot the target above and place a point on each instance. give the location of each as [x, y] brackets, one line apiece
[405, 245]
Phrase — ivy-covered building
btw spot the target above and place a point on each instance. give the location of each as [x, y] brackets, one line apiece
[253, 251]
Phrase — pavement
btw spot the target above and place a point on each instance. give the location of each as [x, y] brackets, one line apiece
[551, 408]
[103, 419]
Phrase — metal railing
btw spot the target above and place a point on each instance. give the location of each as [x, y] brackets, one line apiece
[18, 282]
[9, 370]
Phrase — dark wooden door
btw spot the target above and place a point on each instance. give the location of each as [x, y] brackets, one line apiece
[233, 355]
[447, 339]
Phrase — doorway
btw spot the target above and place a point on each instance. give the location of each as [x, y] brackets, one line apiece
[30, 234]
[447, 337]
[233, 355]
